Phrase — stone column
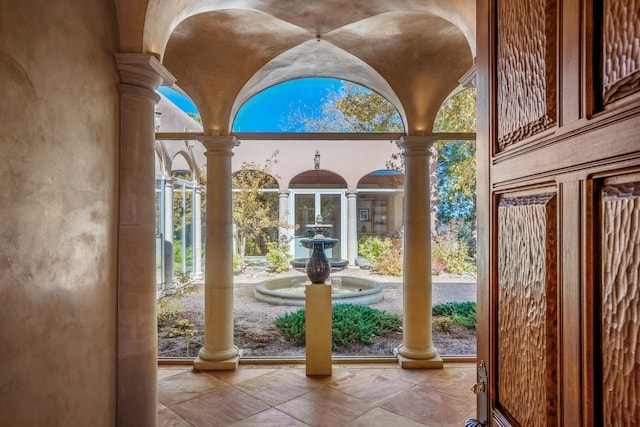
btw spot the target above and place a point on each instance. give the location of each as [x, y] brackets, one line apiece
[283, 214]
[417, 350]
[168, 231]
[218, 352]
[352, 227]
[197, 235]
[137, 340]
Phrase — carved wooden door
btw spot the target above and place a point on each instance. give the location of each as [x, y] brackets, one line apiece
[559, 211]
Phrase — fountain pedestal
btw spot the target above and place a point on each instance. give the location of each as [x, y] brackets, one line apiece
[318, 308]
[318, 324]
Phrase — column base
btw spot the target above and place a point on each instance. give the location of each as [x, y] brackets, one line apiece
[221, 365]
[405, 362]
[230, 364]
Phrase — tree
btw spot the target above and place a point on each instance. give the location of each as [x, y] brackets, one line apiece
[457, 165]
[352, 108]
[253, 209]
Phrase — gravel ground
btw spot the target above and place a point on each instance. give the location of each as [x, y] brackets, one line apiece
[257, 336]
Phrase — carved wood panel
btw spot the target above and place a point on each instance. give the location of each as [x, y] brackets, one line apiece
[621, 304]
[621, 48]
[527, 306]
[526, 56]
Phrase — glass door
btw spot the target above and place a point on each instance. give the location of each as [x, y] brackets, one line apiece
[306, 206]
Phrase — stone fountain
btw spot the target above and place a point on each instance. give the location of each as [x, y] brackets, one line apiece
[318, 268]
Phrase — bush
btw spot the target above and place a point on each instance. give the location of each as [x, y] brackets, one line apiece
[278, 255]
[385, 258]
[351, 324]
[389, 263]
[238, 263]
[451, 256]
[371, 247]
[461, 313]
[167, 302]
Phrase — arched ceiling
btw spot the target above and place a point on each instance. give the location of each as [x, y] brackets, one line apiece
[222, 52]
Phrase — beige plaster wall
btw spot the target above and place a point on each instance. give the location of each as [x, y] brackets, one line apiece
[350, 159]
[59, 146]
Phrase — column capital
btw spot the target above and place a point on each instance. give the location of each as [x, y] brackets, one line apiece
[218, 145]
[283, 194]
[418, 144]
[351, 194]
[142, 73]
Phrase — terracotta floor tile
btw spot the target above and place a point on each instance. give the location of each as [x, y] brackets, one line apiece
[220, 407]
[270, 418]
[430, 407]
[456, 381]
[239, 375]
[279, 386]
[168, 418]
[185, 386]
[379, 417]
[355, 395]
[166, 372]
[373, 386]
[325, 407]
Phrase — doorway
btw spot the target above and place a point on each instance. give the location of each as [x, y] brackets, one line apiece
[306, 206]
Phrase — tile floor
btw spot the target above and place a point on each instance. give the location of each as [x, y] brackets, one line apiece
[367, 395]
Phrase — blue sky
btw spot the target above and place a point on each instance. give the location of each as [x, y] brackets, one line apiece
[266, 111]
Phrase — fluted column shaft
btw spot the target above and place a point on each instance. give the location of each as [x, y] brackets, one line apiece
[352, 227]
[140, 75]
[417, 350]
[218, 352]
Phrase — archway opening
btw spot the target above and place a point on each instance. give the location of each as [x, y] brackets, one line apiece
[318, 104]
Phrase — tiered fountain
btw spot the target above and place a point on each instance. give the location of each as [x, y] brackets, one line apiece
[317, 295]
[344, 289]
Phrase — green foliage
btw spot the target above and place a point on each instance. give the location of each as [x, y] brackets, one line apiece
[385, 259]
[292, 325]
[367, 111]
[238, 263]
[389, 263]
[372, 247]
[254, 210]
[458, 113]
[351, 324]
[352, 108]
[461, 313]
[452, 255]
[177, 255]
[278, 255]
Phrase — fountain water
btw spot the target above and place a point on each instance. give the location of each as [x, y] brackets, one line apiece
[345, 289]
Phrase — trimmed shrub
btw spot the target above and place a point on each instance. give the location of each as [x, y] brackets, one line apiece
[351, 323]
[461, 313]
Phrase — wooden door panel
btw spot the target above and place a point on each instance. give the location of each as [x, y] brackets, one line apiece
[527, 308]
[526, 69]
[621, 49]
[620, 296]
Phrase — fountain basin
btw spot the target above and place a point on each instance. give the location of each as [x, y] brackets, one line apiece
[345, 290]
[300, 264]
